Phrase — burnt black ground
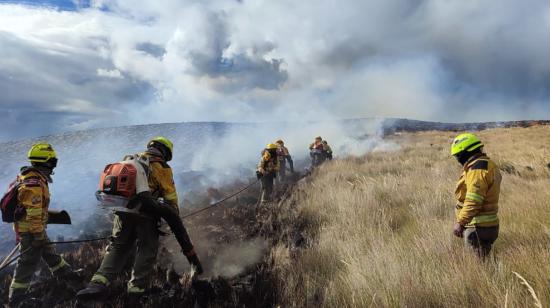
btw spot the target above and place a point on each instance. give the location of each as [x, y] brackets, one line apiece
[237, 220]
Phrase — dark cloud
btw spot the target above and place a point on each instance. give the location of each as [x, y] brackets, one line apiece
[46, 92]
[239, 71]
[492, 49]
[154, 50]
[37, 122]
[218, 60]
[246, 72]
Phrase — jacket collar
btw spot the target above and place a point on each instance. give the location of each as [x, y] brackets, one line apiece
[155, 153]
[28, 169]
[472, 159]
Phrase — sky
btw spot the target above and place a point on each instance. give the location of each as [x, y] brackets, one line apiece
[72, 65]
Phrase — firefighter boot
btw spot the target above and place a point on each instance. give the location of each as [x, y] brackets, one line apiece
[16, 297]
[94, 290]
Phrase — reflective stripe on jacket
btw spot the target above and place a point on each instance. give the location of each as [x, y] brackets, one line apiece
[477, 193]
[34, 196]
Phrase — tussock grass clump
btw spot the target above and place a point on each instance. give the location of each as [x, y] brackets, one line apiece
[380, 229]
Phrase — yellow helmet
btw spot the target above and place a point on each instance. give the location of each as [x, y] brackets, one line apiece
[41, 153]
[465, 142]
[165, 142]
[271, 146]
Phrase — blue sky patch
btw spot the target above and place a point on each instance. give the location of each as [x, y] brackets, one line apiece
[64, 5]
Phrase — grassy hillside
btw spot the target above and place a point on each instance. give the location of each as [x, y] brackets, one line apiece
[372, 231]
[376, 231]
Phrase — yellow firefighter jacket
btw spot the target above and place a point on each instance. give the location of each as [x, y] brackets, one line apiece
[161, 181]
[268, 164]
[477, 193]
[34, 195]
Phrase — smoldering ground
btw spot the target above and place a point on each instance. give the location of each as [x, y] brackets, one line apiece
[226, 259]
[232, 239]
[229, 160]
[206, 156]
[228, 242]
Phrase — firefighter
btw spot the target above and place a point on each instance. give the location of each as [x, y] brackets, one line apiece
[283, 155]
[327, 149]
[317, 152]
[34, 196]
[267, 171]
[129, 229]
[477, 193]
[317, 143]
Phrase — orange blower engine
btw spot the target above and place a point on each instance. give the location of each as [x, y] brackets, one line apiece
[122, 181]
[119, 179]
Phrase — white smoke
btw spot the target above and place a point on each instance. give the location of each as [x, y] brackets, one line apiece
[236, 153]
[139, 62]
[218, 153]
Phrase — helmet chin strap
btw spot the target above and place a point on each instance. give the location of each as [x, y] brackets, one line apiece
[464, 156]
[161, 151]
[461, 158]
[155, 151]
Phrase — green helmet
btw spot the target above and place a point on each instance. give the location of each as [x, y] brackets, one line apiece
[41, 153]
[163, 141]
[465, 142]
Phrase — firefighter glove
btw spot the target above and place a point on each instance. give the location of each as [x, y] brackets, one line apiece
[458, 230]
[194, 260]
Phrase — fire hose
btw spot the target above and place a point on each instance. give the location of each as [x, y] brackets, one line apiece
[220, 201]
[6, 262]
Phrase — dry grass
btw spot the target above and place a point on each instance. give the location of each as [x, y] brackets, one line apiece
[379, 229]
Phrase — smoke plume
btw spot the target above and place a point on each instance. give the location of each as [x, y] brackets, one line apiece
[118, 62]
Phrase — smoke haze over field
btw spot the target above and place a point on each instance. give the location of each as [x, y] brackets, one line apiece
[66, 66]
[291, 67]
[205, 155]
